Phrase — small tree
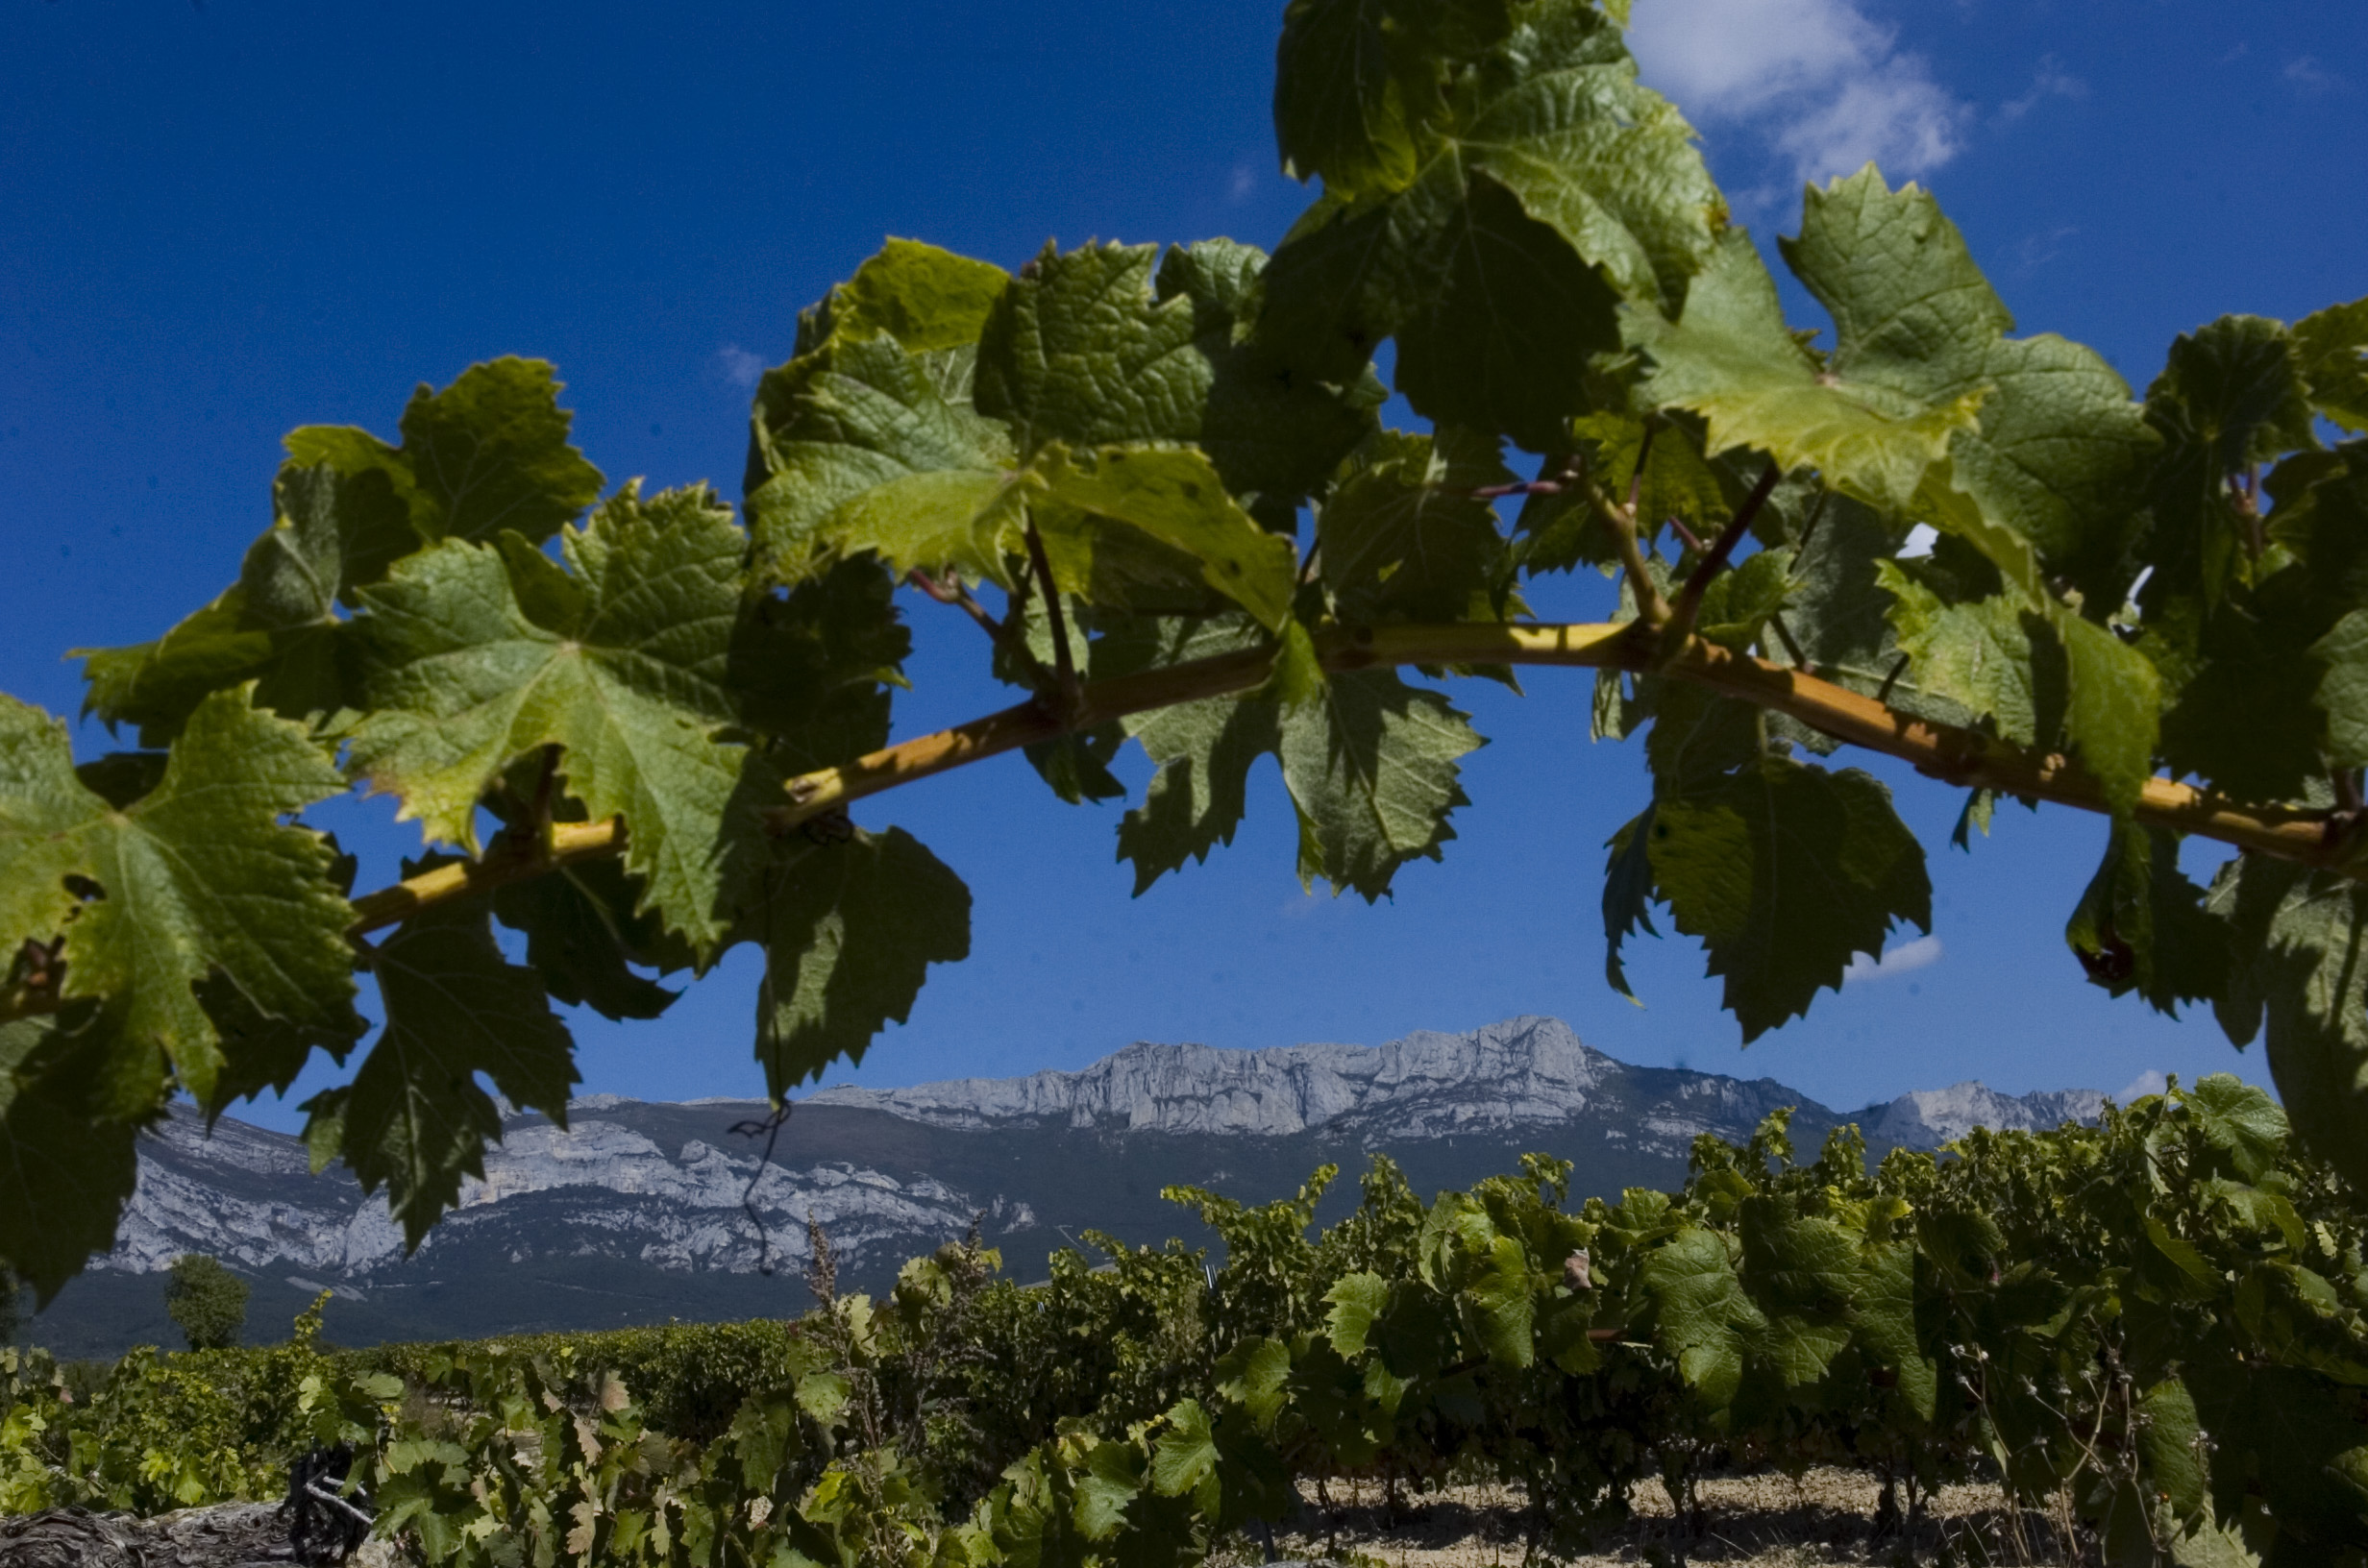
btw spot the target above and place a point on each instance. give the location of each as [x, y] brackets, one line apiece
[206, 1301]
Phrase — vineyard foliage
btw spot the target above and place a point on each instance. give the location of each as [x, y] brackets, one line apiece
[2158, 1319]
[629, 726]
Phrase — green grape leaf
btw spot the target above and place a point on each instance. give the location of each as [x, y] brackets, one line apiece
[1699, 736]
[2057, 457]
[1357, 81]
[1169, 494]
[2171, 1443]
[331, 533]
[1784, 872]
[2038, 434]
[1204, 749]
[1977, 655]
[1108, 1485]
[1701, 1312]
[1077, 350]
[415, 1120]
[849, 931]
[2034, 670]
[2343, 690]
[1371, 767]
[65, 1174]
[927, 298]
[1551, 185]
[2232, 394]
[2243, 711]
[585, 936]
[2114, 707]
[1805, 1275]
[1842, 614]
[1886, 1325]
[490, 455]
[487, 453]
[1607, 163]
[2140, 925]
[1731, 359]
[2299, 940]
[1401, 538]
[261, 1051]
[1498, 1306]
[812, 669]
[277, 625]
[1627, 895]
[460, 681]
[1253, 1375]
[382, 515]
[1357, 1300]
[2234, 389]
[2238, 1117]
[197, 878]
[2058, 438]
[1370, 762]
[837, 423]
[1185, 1455]
[1274, 436]
[2334, 347]
[157, 684]
[1502, 339]
[965, 520]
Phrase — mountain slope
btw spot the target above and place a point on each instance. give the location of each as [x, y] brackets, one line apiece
[643, 1210]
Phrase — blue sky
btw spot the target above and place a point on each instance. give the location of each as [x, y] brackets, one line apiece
[223, 219]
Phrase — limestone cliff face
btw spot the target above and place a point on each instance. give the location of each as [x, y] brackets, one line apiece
[1928, 1117]
[599, 1188]
[665, 1189]
[1426, 1084]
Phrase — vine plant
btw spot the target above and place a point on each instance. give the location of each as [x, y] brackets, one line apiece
[1160, 483]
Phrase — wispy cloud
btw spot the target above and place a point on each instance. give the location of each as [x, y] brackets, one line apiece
[2149, 1082]
[2309, 78]
[2039, 249]
[1242, 181]
[1824, 82]
[740, 367]
[2050, 81]
[1921, 953]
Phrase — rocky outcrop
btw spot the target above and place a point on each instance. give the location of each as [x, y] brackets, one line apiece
[1928, 1117]
[1426, 1084]
[601, 1187]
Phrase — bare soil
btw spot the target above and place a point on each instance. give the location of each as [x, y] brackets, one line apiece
[1764, 1521]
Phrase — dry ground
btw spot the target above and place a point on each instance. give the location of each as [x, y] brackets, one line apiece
[1766, 1521]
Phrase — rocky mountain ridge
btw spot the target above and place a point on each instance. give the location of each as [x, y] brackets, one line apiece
[643, 1210]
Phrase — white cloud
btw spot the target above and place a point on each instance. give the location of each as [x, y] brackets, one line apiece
[2309, 77]
[2038, 250]
[2050, 81]
[740, 367]
[1921, 953]
[1243, 180]
[2149, 1082]
[1825, 83]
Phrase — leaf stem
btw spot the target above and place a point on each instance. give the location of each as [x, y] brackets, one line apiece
[1783, 635]
[1689, 597]
[953, 592]
[1650, 609]
[1065, 665]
